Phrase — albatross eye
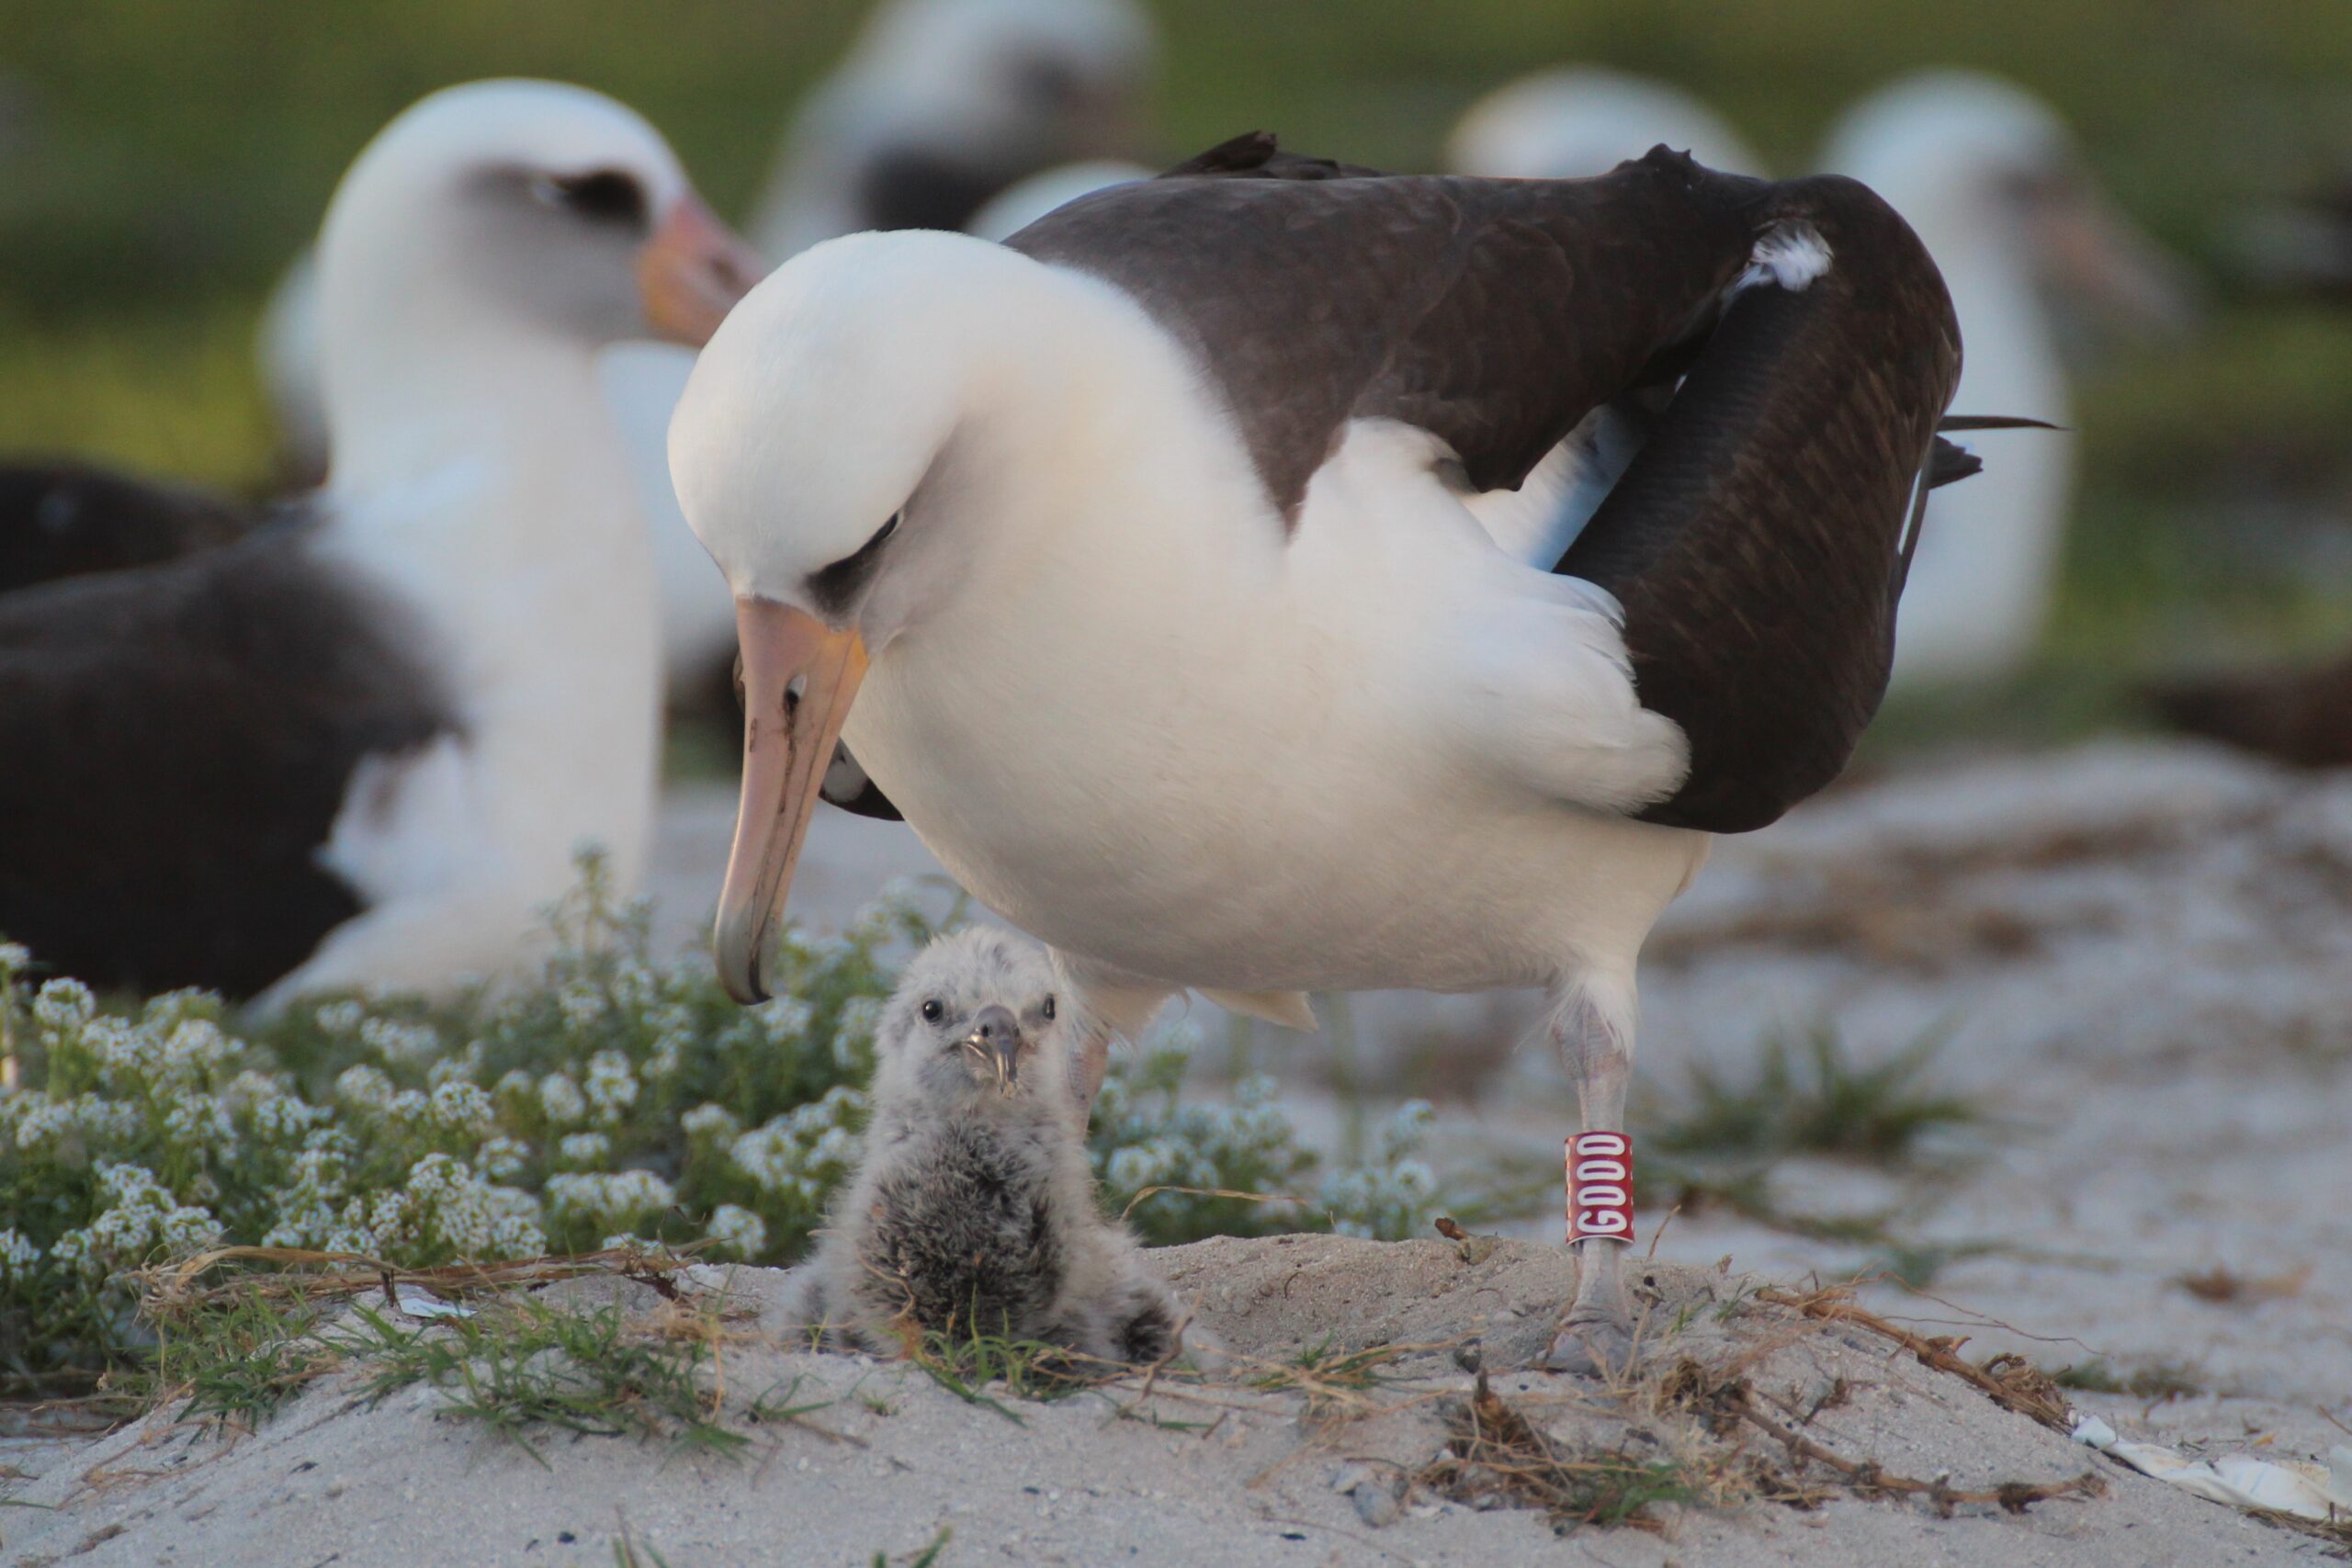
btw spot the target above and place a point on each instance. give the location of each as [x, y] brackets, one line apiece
[602, 196]
[1049, 1010]
[834, 586]
[933, 1011]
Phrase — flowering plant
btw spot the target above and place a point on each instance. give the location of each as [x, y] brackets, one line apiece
[616, 1099]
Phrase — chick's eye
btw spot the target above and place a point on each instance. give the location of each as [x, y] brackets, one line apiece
[932, 1011]
[1049, 1010]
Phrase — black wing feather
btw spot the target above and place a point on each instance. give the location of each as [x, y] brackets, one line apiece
[66, 519]
[174, 744]
[1755, 541]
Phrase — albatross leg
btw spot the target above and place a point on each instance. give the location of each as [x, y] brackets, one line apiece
[1593, 1025]
[1106, 1003]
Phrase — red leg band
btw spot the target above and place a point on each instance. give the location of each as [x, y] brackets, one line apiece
[1601, 1187]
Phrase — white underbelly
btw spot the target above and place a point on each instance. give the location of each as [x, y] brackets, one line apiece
[1304, 867]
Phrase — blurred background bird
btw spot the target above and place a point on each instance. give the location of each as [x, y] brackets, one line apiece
[939, 107]
[361, 746]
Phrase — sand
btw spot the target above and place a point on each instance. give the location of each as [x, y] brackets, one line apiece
[1251, 1477]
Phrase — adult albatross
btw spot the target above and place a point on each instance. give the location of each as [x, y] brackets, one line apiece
[1190, 572]
[360, 746]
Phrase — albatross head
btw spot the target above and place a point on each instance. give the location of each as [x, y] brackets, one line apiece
[515, 209]
[815, 455]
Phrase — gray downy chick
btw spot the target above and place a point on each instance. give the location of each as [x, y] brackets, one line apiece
[973, 1209]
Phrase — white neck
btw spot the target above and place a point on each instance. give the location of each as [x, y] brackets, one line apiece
[478, 479]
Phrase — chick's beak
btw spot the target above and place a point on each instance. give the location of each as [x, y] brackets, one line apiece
[691, 271]
[799, 677]
[996, 1041]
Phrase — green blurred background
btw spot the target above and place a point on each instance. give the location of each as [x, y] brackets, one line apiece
[159, 162]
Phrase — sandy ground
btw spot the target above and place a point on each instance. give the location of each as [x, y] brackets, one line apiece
[2143, 954]
[890, 1460]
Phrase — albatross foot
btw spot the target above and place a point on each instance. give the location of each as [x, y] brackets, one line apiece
[1591, 1344]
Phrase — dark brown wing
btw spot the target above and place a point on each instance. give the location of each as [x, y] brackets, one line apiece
[1494, 313]
[65, 519]
[2300, 714]
[1255, 156]
[1755, 541]
[176, 742]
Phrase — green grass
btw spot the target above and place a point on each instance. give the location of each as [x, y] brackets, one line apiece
[929, 1557]
[1915, 1264]
[519, 1366]
[237, 1362]
[627, 1553]
[1811, 1095]
[2159, 1380]
[968, 1364]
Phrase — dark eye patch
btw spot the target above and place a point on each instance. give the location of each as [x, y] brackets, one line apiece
[835, 586]
[602, 196]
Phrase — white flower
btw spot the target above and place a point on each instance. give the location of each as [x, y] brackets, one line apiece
[612, 1087]
[64, 1004]
[1132, 1169]
[17, 1253]
[196, 1046]
[516, 1235]
[364, 1087]
[502, 1156]
[562, 1099]
[607, 1197]
[737, 1230]
[462, 1107]
[465, 1065]
[710, 1122]
[1408, 1126]
[15, 959]
[669, 1055]
[199, 1119]
[185, 1226]
[399, 1040]
[319, 1173]
[44, 1122]
[409, 1107]
[340, 1017]
[581, 1004]
[589, 1149]
[834, 1146]
[784, 1020]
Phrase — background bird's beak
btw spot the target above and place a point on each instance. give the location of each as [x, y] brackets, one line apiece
[799, 677]
[691, 271]
[996, 1040]
[2090, 251]
[2301, 246]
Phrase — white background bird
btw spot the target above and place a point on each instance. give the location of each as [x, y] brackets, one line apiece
[362, 746]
